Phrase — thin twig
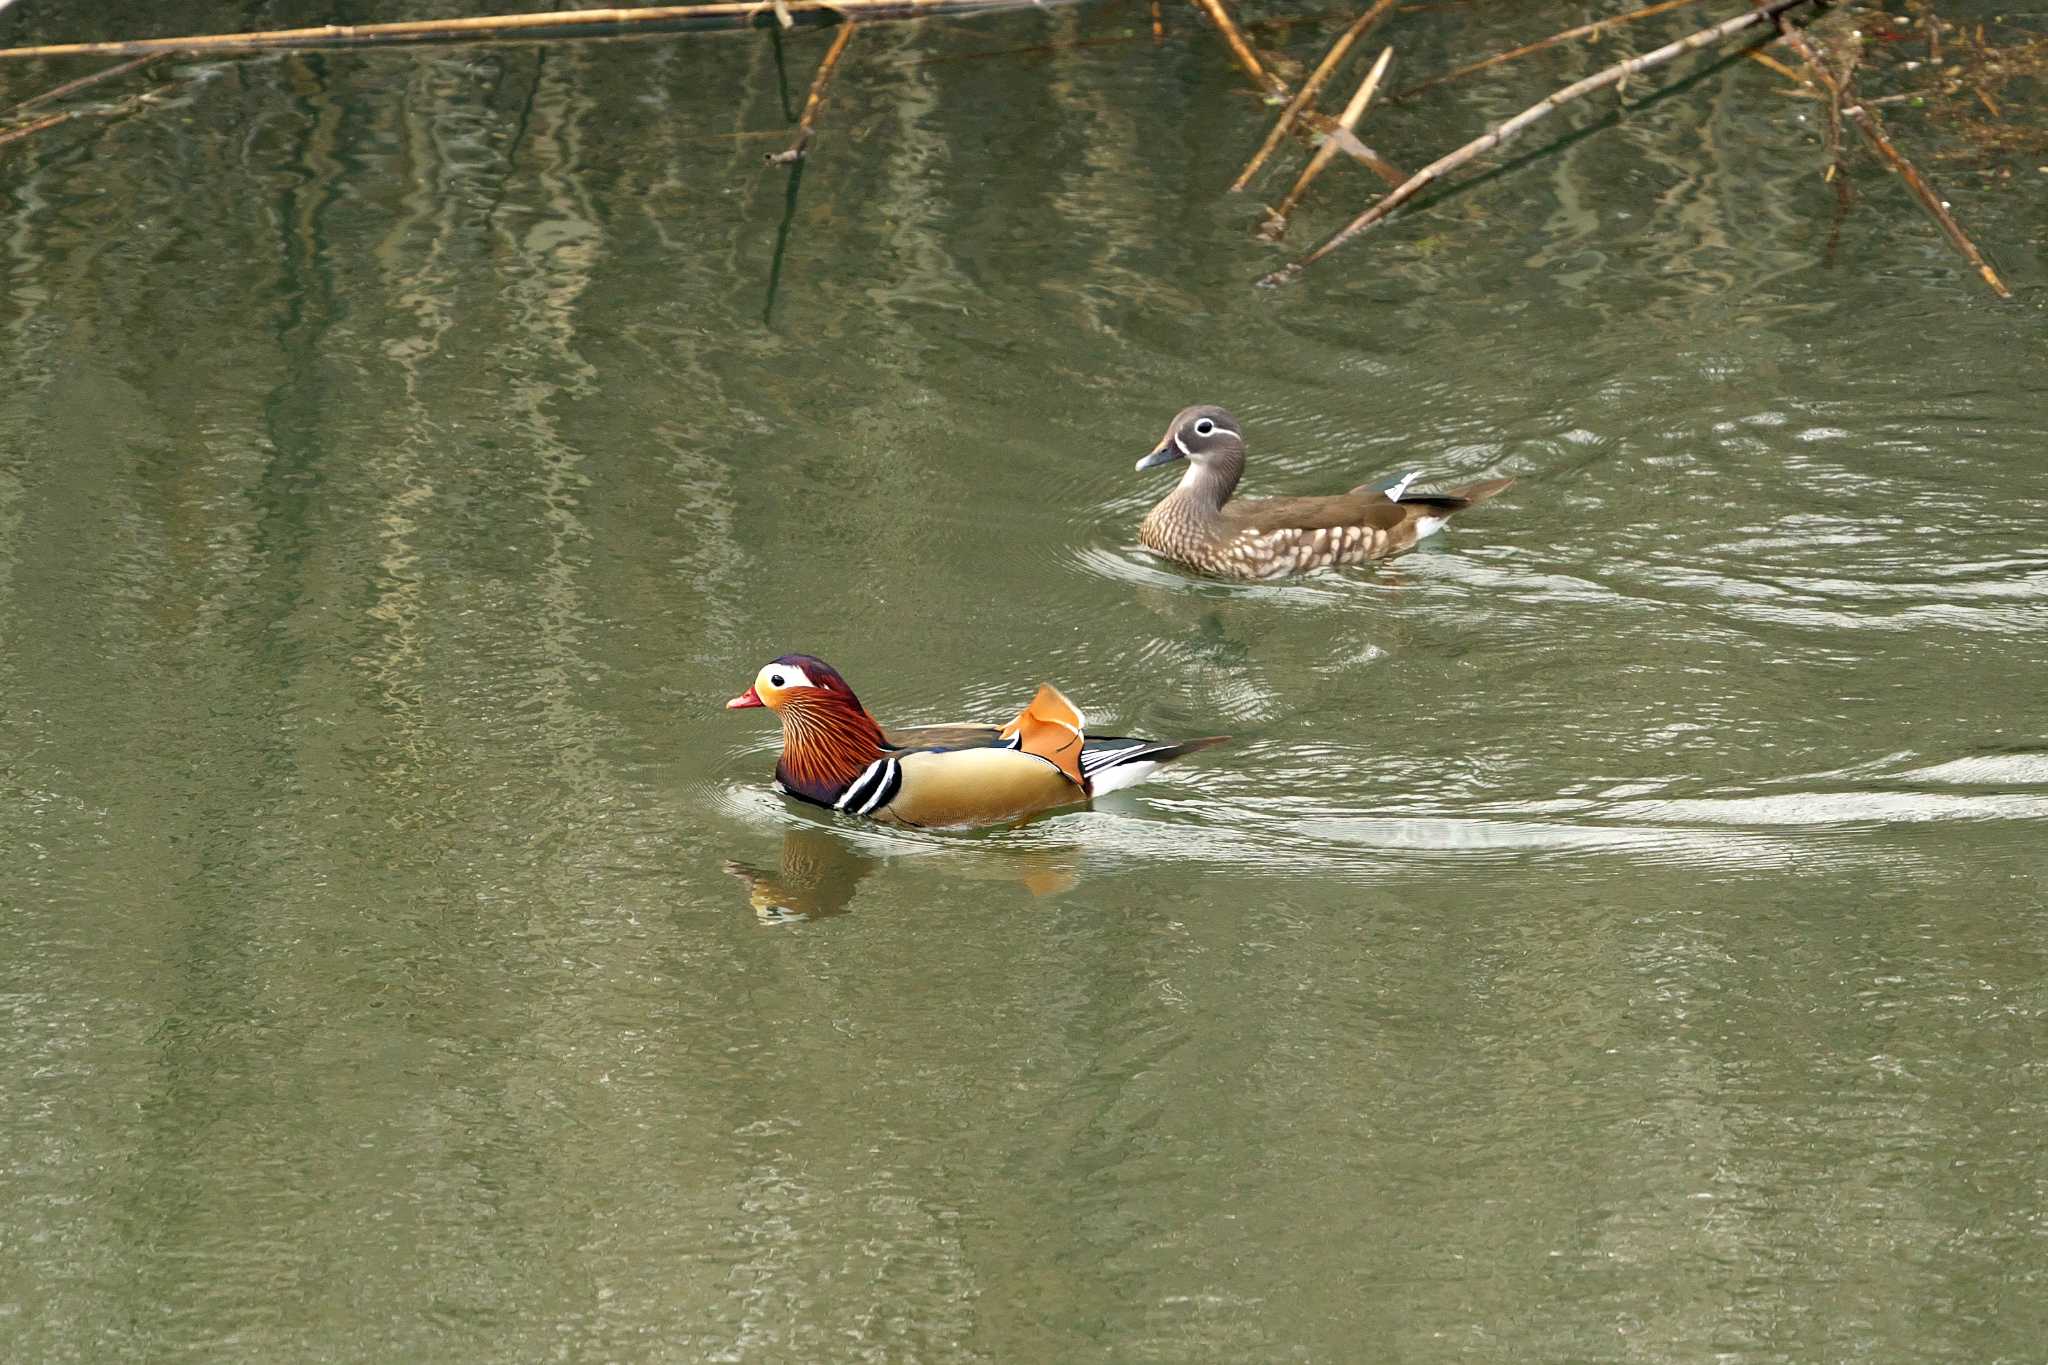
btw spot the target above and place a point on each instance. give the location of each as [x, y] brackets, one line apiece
[46, 121]
[73, 87]
[127, 106]
[1868, 124]
[1501, 58]
[1241, 49]
[1829, 84]
[1769, 62]
[1838, 168]
[1309, 89]
[1613, 75]
[808, 122]
[1348, 143]
[1276, 219]
[724, 13]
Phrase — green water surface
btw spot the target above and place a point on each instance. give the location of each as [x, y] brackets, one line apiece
[1617, 932]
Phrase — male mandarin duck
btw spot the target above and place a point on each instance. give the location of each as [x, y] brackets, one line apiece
[836, 755]
[1198, 525]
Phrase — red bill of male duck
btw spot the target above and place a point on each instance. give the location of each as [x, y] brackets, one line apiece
[836, 755]
[1198, 524]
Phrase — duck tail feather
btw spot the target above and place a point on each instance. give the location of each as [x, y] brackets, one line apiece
[1124, 763]
[1456, 499]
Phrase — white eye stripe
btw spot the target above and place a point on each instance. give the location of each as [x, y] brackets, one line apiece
[1182, 447]
[786, 676]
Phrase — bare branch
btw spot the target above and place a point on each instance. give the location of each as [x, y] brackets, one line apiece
[1241, 49]
[728, 13]
[1867, 123]
[1309, 89]
[1613, 75]
[808, 122]
[1276, 220]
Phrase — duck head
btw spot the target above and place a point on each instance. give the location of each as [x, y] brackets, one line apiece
[828, 737]
[1209, 439]
[795, 680]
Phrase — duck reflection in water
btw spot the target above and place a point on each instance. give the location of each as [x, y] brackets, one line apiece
[819, 872]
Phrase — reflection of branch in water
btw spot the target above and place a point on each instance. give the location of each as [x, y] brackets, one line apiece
[127, 106]
[820, 869]
[1594, 30]
[781, 73]
[796, 180]
[793, 157]
[74, 86]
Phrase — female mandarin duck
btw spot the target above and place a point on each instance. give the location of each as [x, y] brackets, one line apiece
[1198, 525]
[836, 755]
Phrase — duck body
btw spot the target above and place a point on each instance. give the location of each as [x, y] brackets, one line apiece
[1200, 524]
[836, 755]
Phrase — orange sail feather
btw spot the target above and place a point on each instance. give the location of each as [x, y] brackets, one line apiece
[1051, 727]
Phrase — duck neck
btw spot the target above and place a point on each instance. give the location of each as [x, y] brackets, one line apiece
[1208, 485]
[827, 742]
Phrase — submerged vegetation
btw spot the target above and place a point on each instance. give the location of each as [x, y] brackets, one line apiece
[1960, 79]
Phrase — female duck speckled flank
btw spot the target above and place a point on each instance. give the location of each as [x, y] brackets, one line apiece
[1198, 525]
[836, 755]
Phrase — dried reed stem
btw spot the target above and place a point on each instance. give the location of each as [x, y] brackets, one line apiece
[46, 121]
[1276, 219]
[727, 13]
[1772, 63]
[807, 124]
[1868, 124]
[73, 87]
[1613, 75]
[1348, 143]
[1310, 88]
[1241, 49]
[1501, 58]
[129, 105]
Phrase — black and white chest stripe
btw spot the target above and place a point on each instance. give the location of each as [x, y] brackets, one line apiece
[876, 786]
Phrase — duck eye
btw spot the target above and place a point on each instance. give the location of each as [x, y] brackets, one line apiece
[1205, 427]
[775, 680]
